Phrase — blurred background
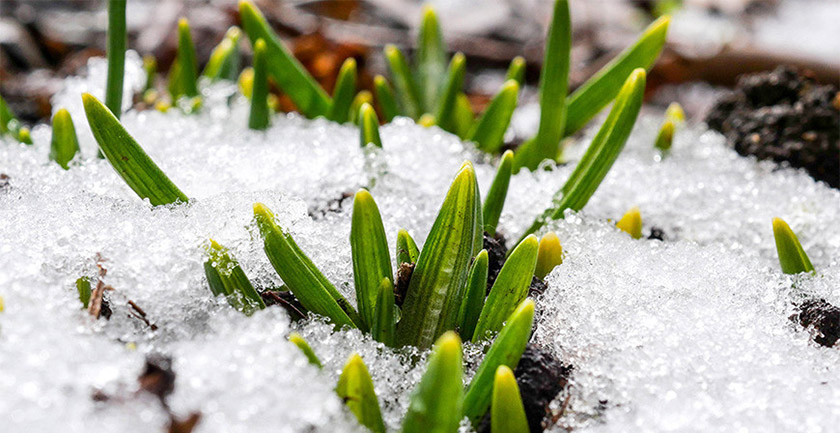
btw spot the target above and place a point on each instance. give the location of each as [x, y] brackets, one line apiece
[710, 42]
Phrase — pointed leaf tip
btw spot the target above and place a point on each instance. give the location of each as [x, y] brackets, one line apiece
[631, 223]
[549, 256]
[792, 256]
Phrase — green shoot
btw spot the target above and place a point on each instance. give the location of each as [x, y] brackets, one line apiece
[286, 71]
[371, 259]
[554, 85]
[474, 296]
[454, 82]
[9, 124]
[495, 200]
[507, 412]
[427, 120]
[386, 98]
[345, 89]
[384, 324]
[601, 154]
[510, 288]
[674, 116]
[304, 347]
[226, 277]
[150, 68]
[187, 65]
[225, 60]
[549, 256]
[437, 401]
[355, 388]
[489, 132]
[300, 275]
[368, 126]
[407, 251]
[598, 91]
[431, 61]
[506, 350]
[115, 51]
[464, 117]
[438, 281]
[516, 71]
[792, 257]
[83, 287]
[246, 82]
[631, 223]
[65, 144]
[405, 87]
[258, 118]
[127, 157]
[362, 98]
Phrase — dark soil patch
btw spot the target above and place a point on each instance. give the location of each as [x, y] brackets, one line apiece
[287, 300]
[540, 376]
[657, 233]
[334, 205]
[496, 253]
[784, 116]
[821, 317]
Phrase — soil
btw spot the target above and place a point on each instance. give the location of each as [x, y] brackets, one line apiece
[496, 253]
[821, 317]
[540, 376]
[287, 300]
[783, 116]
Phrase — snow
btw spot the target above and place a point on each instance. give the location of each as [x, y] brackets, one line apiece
[691, 334]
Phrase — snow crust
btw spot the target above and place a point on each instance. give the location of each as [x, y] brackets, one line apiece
[691, 334]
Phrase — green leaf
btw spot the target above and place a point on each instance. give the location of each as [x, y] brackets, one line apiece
[792, 257]
[345, 90]
[362, 98]
[431, 60]
[407, 251]
[386, 98]
[355, 388]
[384, 324]
[188, 67]
[83, 287]
[590, 98]
[509, 289]
[445, 114]
[464, 117]
[631, 223]
[65, 144]
[554, 85]
[225, 276]
[371, 259]
[258, 118]
[115, 51]
[507, 412]
[474, 296]
[495, 200]
[489, 132]
[516, 70]
[175, 85]
[436, 403]
[287, 72]
[439, 277]
[549, 256]
[601, 154]
[405, 87]
[300, 275]
[304, 347]
[127, 157]
[506, 350]
[368, 126]
[225, 59]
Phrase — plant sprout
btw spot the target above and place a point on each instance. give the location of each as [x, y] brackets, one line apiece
[792, 257]
[115, 52]
[224, 62]
[674, 116]
[64, 144]
[550, 255]
[258, 118]
[9, 124]
[507, 412]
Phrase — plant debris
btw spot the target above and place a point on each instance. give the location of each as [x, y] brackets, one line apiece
[784, 115]
[287, 300]
[403, 279]
[99, 304]
[139, 313]
[823, 318]
[157, 377]
[5, 184]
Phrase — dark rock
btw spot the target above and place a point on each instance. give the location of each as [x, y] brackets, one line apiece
[783, 116]
[823, 318]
